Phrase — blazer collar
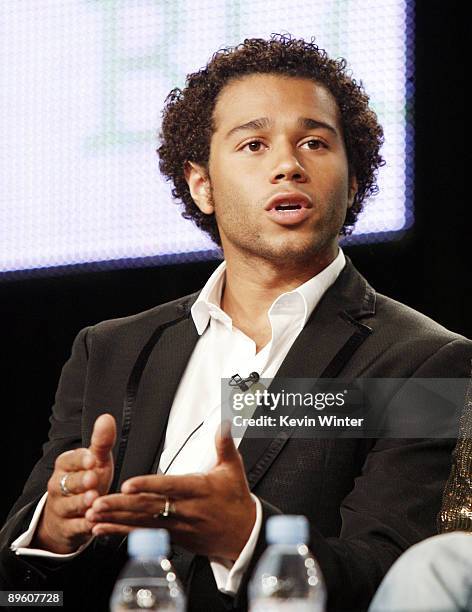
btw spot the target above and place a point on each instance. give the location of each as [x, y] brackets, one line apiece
[150, 390]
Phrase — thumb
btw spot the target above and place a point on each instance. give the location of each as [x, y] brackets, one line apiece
[103, 437]
[226, 451]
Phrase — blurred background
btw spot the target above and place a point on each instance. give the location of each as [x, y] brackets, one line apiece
[88, 228]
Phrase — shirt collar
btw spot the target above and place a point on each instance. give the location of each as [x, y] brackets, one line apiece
[208, 302]
[305, 296]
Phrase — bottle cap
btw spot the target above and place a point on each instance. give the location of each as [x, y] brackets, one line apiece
[148, 543]
[287, 529]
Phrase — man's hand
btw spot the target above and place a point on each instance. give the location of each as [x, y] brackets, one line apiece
[63, 526]
[214, 513]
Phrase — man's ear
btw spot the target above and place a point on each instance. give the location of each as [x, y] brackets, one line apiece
[353, 187]
[199, 186]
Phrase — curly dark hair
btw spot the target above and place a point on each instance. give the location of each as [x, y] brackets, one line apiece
[187, 118]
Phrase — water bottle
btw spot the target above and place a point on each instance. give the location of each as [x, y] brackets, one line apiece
[148, 581]
[287, 577]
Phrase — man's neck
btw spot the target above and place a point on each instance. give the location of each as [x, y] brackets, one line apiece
[251, 287]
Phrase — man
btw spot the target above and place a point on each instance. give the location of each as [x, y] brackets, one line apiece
[272, 148]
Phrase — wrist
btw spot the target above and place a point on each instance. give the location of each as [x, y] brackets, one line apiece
[247, 528]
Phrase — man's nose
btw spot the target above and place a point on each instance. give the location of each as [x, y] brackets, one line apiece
[288, 168]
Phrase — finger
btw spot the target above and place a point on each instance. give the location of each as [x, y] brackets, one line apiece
[76, 482]
[181, 535]
[147, 502]
[77, 505]
[190, 485]
[185, 511]
[77, 459]
[103, 437]
[173, 526]
[226, 451]
[138, 519]
[110, 529]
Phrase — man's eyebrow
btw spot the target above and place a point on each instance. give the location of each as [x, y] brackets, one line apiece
[315, 124]
[261, 123]
[264, 122]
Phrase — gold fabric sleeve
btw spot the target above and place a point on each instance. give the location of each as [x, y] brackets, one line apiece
[456, 510]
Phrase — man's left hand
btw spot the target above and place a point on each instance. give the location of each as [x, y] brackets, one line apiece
[212, 514]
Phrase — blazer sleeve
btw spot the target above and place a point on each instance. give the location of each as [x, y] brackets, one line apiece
[393, 504]
[456, 510]
[65, 433]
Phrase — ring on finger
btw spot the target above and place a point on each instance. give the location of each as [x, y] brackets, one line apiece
[63, 486]
[167, 510]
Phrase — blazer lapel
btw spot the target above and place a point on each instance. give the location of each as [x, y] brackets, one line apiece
[329, 339]
[151, 388]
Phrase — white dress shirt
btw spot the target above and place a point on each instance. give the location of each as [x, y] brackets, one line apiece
[221, 351]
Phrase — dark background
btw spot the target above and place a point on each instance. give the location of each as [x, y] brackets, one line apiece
[425, 269]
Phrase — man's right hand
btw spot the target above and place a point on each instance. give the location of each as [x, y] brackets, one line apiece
[63, 526]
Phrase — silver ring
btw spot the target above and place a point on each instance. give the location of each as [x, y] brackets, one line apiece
[168, 510]
[62, 484]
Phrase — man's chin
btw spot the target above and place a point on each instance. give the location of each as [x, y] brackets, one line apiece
[294, 252]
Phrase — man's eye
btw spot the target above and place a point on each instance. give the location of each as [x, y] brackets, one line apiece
[314, 144]
[254, 146]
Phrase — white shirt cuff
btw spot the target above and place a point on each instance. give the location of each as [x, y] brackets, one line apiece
[22, 542]
[228, 575]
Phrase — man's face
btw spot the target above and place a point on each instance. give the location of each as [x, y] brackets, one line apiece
[278, 173]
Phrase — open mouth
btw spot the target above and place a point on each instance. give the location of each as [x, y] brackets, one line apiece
[289, 213]
[286, 207]
[289, 207]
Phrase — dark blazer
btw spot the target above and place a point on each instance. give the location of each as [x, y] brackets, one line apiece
[367, 499]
